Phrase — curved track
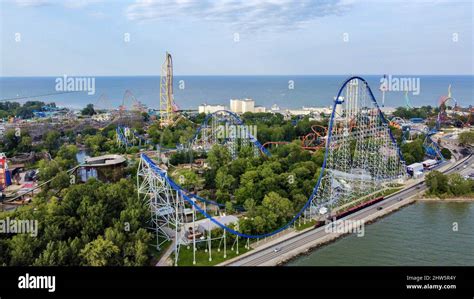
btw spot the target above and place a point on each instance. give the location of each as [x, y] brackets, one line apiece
[237, 120]
[163, 175]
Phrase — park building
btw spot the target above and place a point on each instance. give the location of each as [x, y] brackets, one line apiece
[242, 105]
[106, 168]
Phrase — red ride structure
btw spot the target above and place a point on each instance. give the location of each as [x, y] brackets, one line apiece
[3, 171]
[312, 141]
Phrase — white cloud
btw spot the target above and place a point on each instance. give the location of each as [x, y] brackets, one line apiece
[240, 14]
[66, 3]
[29, 3]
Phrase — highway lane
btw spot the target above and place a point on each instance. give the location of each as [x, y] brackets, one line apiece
[265, 255]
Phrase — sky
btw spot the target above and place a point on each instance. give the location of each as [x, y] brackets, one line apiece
[235, 37]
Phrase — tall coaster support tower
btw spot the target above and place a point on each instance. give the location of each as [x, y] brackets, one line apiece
[226, 128]
[361, 156]
[361, 153]
[167, 105]
[164, 200]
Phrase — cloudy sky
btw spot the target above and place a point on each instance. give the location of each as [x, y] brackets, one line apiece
[235, 37]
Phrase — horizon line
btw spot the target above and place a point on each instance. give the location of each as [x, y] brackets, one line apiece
[234, 75]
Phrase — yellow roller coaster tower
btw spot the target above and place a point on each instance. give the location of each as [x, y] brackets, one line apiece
[167, 106]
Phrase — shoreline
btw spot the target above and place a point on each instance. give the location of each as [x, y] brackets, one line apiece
[449, 199]
[329, 239]
[333, 238]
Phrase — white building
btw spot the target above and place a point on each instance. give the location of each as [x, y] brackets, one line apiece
[310, 111]
[205, 108]
[415, 167]
[260, 109]
[242, 106]
[298, 112]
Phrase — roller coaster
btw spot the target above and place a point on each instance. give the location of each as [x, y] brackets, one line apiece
[225, 128]
[444, 118]
[168, 107]
[130, 107]
[312, 141]
[361, 157]
[431, 148]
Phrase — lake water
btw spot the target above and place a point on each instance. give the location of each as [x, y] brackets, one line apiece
[418, 235]
[191, 91]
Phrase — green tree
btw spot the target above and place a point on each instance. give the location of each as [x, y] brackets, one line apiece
[23, 249]
[188, 179]
[466, 138]
[224, 181]
[437, 183]
[100, 252]
[446, 153]
[88, 110]
[218, 156]
[51, 141]
[56, 253]
[25, 144]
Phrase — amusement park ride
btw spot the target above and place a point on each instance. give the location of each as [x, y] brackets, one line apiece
[129, 109]
[445, 118]
[361, 157]
[312, 141]
[223, 127]
[432, 149]
[168, 107]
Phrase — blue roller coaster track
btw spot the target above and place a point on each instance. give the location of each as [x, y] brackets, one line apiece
[238, 121]
[184, 194]
[431, 148]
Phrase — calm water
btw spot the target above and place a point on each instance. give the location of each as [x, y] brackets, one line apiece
[418, 235]
[265, 90]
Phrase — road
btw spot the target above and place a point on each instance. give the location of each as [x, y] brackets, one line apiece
[266, 255]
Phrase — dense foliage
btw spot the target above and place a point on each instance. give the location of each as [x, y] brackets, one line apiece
[92, 224]
[416, 112]
[466, 138]
[448, 185]
[88, 110]
[270, 189]
[413, 151]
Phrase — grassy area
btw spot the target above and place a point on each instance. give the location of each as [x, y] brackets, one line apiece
[368, 197]
[202, 257]
[304, 226]
[387, 192]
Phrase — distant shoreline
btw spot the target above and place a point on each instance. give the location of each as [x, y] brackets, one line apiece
[242, 75]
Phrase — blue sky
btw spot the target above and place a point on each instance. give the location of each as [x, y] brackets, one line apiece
[86, 37]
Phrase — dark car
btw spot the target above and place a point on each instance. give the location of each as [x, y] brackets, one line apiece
[379, 208]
